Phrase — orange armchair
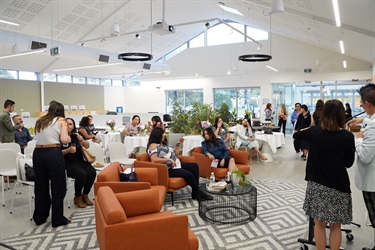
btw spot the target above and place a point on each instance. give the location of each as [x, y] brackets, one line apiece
[147, 179]
[132, 220]
[205, 168]
[171, 184]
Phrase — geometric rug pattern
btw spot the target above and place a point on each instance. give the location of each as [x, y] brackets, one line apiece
[279, 223]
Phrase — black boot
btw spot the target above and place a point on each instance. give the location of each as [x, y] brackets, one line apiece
[204, 196]
[367, 248]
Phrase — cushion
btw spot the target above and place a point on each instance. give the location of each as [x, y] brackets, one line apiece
[111, 208]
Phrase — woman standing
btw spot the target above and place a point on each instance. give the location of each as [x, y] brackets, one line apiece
[221, 131]
[328, 195]
[49, 165]
[348, 112]
[81, 171]
[268, 112]
[303, 122]
[283, 116]
[215, 149]
[317, 113]
[160, 152]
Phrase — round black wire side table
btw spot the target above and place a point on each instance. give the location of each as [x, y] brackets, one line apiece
[235, 205]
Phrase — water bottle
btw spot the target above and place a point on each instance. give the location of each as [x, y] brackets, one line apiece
[212, 179]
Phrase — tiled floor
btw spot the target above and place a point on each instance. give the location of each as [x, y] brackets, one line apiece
[286, 167]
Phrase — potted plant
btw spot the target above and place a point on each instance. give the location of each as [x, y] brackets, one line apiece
[239, 178]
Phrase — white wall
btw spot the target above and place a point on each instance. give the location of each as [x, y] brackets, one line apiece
[212, 63]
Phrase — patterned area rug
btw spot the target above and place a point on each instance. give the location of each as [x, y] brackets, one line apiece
[280, 221]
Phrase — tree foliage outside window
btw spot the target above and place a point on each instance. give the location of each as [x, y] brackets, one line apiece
[238, 100]
[184, 98]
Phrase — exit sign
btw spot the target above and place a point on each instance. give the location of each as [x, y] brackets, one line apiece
[55, 51]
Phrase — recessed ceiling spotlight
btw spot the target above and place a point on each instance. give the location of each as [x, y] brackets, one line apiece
[138, 36]
[207, 25]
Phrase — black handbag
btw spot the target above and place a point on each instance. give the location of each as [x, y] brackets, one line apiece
[29, 173]
[130, 177]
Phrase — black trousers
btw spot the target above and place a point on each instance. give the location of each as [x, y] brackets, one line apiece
[84, 175]
[369, 198]
[282, 123]
[49, 167]
[190, 172]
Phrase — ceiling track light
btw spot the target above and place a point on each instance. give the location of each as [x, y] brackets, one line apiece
[24, 53]
[336, 12]
[2, 20]
[87, 67]
[277, 7]
[229, 9]
[342, 48]
[138, 36]
[272, 68]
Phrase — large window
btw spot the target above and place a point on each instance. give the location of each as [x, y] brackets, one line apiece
[239, 99]
[223, 34]
[9, 74]
[310, 92]
[185, 98]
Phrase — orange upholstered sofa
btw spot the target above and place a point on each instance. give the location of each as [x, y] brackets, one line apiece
[147, 179]
[171, 184]
[205, 168]
[132, 220]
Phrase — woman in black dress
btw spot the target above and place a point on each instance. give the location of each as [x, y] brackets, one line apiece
[81, 171]
[303, 121]
[328, 196]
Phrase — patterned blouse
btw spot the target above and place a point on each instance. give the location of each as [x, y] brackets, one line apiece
[129, 127]
[223, 135]
[166, 152]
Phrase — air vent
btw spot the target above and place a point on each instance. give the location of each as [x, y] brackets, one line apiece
[38, 45]
[103, 58]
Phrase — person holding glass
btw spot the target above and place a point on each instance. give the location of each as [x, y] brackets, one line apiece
[221, 131]
[49, 166]
[283, 116]
[81, 171]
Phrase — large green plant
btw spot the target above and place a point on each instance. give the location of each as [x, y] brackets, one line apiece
[180, 120]
[201, 112]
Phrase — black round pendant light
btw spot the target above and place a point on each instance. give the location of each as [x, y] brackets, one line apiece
[135, 56]
[255, 58]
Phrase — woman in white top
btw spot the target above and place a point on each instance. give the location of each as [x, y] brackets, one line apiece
[49, 166]
[283, 116]
[245, 138]
[132, 129]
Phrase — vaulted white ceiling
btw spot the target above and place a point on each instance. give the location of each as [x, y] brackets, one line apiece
[82, 28]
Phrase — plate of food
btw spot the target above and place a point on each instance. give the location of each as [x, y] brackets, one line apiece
[98, 165]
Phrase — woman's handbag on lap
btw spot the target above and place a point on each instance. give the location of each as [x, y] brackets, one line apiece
[87, 155]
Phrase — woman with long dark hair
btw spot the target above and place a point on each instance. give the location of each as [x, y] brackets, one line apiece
[160, 152]
[328, 195]
[81, 171]
[283, 116]
[49, 165]
[221, 131]
[216, 150]
[268, 112]
[317, 113]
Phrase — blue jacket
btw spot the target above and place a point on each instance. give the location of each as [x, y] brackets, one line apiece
[219, 151]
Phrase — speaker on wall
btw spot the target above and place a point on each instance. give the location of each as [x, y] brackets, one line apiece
[146, 66]
[38, 45]
[103, 58]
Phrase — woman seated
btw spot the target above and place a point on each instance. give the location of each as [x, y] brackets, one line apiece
[221, 131]
[160, 152]
[81, 171]
[132, 129]
[245, 138]
[216, 150]
[156, 122]
[84, 129]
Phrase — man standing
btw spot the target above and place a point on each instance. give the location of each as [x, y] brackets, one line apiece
[6, 126]
[21, 135]
[365, 147]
